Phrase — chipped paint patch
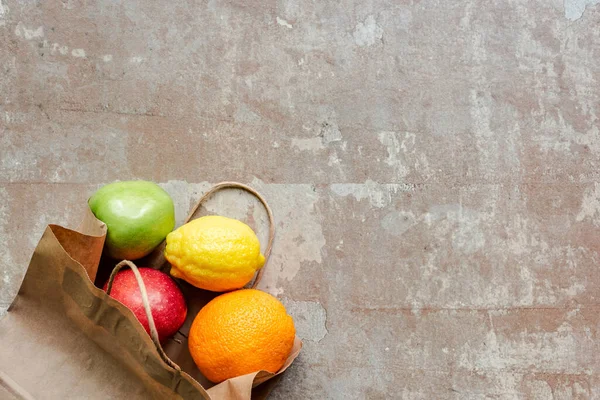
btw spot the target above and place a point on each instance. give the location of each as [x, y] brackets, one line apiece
[310, 319]
[398, 222]
[283, 22]
[29, 34]
[327, 132]
[590, 205]
[299, 239]
[107, 58]
[463, 224]
[555, 350]
[367, 33]
[57, 48]
[574, 9]
[379, 195]
[308, 144]
[334, 160]
[396, 148]
[3, 9]
[330, 131]
[79, 53]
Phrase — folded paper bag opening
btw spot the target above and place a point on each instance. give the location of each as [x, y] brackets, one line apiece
[64, 338]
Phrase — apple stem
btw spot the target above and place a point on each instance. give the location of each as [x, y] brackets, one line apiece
[146, 303]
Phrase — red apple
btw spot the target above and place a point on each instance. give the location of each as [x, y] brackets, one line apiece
[166, 300]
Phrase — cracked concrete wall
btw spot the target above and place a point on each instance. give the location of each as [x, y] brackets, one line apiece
[433, 169]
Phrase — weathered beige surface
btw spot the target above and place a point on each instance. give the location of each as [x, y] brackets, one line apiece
[433, 167]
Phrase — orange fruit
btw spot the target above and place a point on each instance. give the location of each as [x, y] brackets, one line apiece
[241, 332]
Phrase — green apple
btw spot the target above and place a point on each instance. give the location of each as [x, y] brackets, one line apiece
[138, 215]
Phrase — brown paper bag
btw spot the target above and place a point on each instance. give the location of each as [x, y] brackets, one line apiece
[64, 338]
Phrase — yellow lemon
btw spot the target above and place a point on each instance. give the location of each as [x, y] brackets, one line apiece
[214, 253]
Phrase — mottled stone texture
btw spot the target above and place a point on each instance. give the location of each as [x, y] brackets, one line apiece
[433, 167]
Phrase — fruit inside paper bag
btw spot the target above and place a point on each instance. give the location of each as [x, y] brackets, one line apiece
[244, 334]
